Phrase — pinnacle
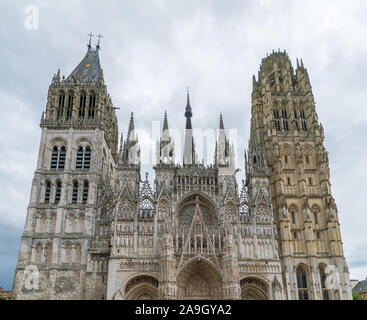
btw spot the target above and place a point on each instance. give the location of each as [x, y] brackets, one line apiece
[221, 124]
[165, 123]
[131, 124]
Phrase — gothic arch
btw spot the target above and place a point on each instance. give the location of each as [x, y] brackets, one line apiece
[70, 222]
[303, 281]
[52, 224]
[66, 255]
[200, 279]
[141, 287]
[58, 142]
[38, 252]
[83, 141]
[193, 194]
[186, 206]
[41, 223]
[254, 288]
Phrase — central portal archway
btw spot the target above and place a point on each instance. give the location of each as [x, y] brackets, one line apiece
[253, 289]
[198, 280]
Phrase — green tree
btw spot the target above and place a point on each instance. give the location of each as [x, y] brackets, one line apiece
[357, 296]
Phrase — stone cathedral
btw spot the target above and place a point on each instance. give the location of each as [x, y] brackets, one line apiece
[97, 229]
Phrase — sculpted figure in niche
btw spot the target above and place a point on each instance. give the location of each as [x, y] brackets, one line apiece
[276, 150]
[306, 210]
[284, 211]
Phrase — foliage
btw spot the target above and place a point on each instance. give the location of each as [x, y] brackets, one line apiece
[357, 296]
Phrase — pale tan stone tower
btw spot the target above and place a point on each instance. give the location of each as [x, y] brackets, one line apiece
[287, 136]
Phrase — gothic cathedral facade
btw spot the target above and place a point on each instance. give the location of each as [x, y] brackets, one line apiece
[96, 230]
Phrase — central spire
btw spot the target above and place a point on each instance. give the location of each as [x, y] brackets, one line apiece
[189, 149]
[188, 113]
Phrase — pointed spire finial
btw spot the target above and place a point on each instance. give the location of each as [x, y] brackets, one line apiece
[221, 124]
[131, 124]
[99, 39]
[90, 40]
[121, 140]
[165, 122]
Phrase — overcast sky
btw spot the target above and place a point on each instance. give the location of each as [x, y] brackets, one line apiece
[153, 50]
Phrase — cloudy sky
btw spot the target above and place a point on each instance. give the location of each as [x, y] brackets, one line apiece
[153, 50]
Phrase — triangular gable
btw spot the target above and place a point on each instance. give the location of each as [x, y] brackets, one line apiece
[198, 221]
[229, 196]
[164, 194]
[261, 197]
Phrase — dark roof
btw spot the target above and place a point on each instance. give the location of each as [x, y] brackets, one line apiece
[360, 287]
[89, 69]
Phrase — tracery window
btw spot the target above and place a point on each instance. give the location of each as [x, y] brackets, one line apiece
[75, 192]
[285, 125]
[315, 217]
[85, 191]
[325, 291]
[69, 109]
[277, 125]
[62, 158]
[146, 208]
[54, 158]
[58, 158]
[276, 114]
[58, 192]
[293, 216]
[92, 105]
[302, 283]
[47, 192]
[83, 99]
[60, 110]
[83, 158]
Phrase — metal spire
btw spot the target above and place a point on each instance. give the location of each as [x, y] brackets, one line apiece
[188, 113]
[189, 148]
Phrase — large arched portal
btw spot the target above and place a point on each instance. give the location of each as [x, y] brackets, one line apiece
[142, 287]
[199, 280]
[253, 289]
